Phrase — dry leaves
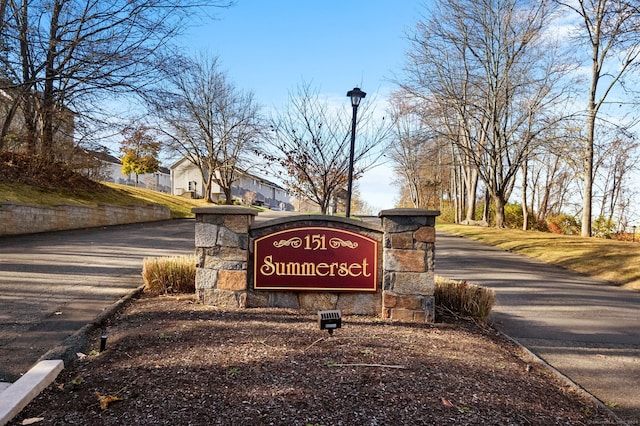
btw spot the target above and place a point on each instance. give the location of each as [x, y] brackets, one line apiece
[105, 400]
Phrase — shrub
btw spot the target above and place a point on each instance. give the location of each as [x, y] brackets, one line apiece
[164, 275]
[513, 216]
[603, 227]
[463, 299]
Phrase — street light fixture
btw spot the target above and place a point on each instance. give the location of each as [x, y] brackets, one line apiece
[356, 96]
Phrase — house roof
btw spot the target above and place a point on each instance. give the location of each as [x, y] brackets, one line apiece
[104, 156]
[244, 172]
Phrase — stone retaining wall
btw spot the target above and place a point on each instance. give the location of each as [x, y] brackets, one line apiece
[17, 218]
[224, 244]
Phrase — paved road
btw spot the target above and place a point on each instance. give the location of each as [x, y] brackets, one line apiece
[52, 284]
[585, 328]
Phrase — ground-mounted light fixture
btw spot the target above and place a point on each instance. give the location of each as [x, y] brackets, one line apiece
[356, 96]
[103, 339]
[330, 320]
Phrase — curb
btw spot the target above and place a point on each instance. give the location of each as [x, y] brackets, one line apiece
[18, 395]
[567, 381]
[69, 347]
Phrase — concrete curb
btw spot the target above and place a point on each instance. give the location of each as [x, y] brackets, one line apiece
[567, 381]
[70, 346]
[18, 395]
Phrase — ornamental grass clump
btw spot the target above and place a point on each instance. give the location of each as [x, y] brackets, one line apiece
[462, 299]
[163, 275]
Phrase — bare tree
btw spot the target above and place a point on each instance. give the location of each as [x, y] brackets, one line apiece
[421, 159]
[611, 29]
[63, 59]
[210, 122]
[310, 141]
[613, 165]
[490, 66]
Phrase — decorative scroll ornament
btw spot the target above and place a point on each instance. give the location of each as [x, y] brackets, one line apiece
[295, 242]
[337, 242]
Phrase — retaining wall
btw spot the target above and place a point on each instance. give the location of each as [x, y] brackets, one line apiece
[17, 218]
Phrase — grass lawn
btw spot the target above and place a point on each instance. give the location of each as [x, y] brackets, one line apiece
[115, 194]
[614, 261]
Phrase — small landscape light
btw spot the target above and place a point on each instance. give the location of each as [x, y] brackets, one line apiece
[103, 340]
[330, 320]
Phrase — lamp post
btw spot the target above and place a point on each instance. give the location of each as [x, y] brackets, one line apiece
[356, 96]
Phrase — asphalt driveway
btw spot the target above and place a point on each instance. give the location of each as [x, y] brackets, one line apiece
[52, 284]
[586, 328]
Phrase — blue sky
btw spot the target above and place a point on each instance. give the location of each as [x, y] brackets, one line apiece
[272, 46]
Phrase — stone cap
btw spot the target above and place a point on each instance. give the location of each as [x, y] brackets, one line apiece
[314, 218]
[409, 212]
[225, 210]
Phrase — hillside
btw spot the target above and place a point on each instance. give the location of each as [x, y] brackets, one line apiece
[29, 180]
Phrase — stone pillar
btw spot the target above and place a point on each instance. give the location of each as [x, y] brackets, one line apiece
[408, 259]
[222, 254]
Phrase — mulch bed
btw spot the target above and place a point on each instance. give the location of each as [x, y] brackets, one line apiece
[171, 361]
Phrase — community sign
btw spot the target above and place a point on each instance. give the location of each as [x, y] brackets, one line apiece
[316, 258]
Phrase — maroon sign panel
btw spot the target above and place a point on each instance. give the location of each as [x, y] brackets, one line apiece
[316, 258]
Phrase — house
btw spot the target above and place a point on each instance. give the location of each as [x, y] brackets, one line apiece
[106, 167]
[186, 180]
[12, 119]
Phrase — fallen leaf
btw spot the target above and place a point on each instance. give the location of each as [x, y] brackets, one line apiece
[32, 420]
[80, 355]
[446, 402]
[105, 400]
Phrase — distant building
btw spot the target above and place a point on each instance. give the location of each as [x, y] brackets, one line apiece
[186, 180]
[102, 166]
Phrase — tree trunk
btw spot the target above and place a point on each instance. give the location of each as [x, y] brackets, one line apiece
[471, 188]
[499, 203]
[485, 210]
[525, 208]
[48, 102]
[588, 172]
[227, 196]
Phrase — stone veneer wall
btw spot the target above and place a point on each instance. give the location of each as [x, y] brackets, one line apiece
[408, 259]
[224, 236]
[222, 254]
[17, 218]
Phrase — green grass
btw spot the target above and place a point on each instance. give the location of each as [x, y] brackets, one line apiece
[615, 261]
[113, 194]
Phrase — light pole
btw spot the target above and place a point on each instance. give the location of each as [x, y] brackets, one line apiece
[356, 96]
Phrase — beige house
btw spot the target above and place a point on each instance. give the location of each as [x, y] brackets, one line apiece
[186, 180]
[108, 168]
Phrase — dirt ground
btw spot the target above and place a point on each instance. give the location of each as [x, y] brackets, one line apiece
[171, 361]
